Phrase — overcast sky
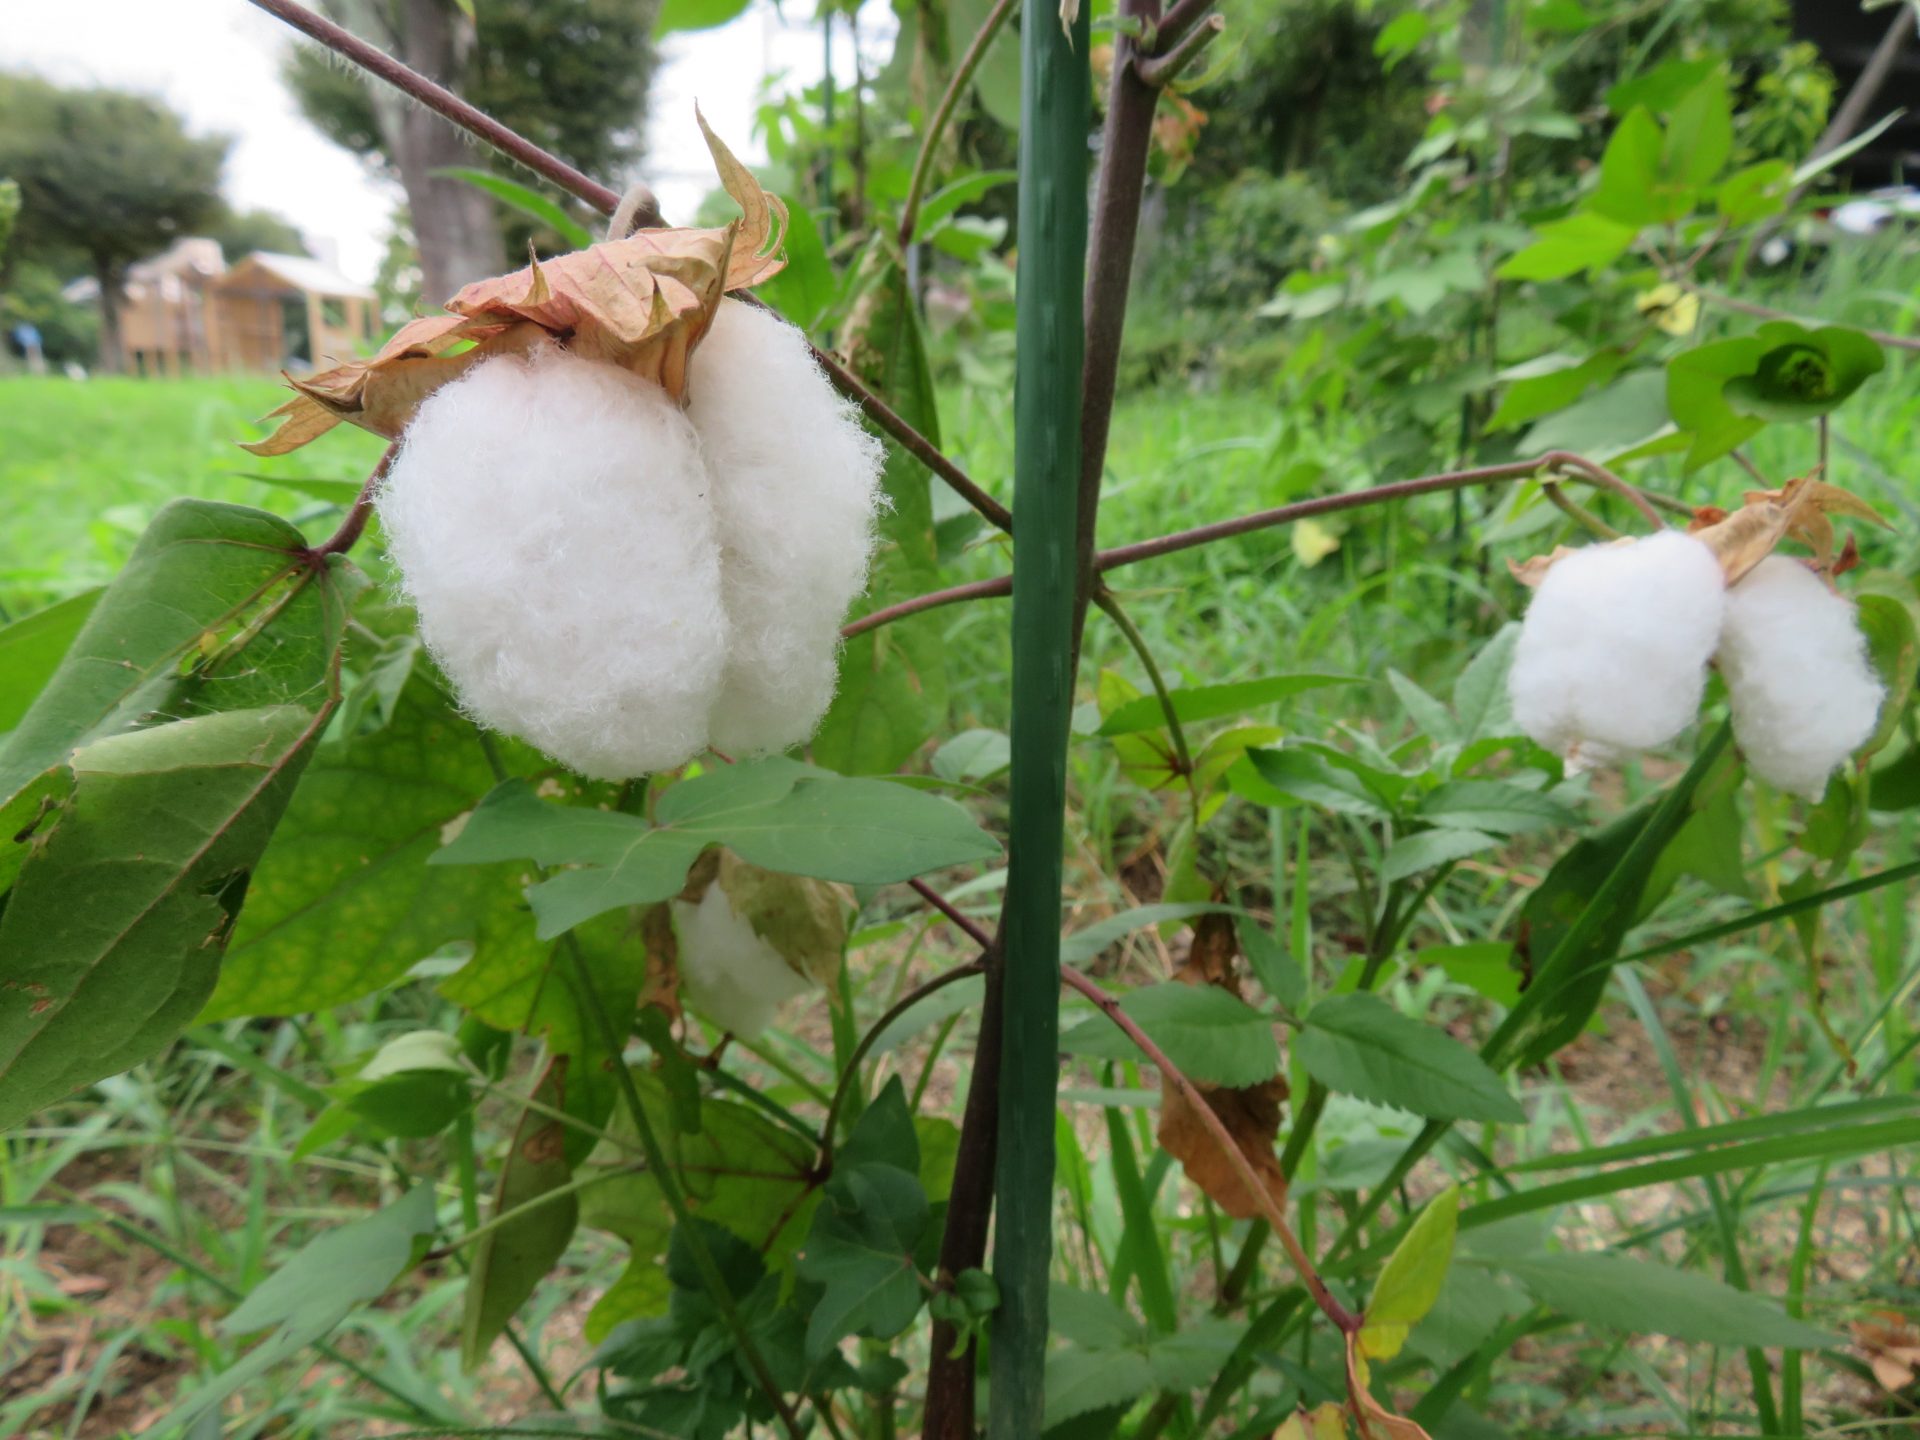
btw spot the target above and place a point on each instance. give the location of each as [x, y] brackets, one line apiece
[215, 62]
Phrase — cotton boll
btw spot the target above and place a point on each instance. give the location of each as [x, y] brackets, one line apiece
[1804, 695]
[727, 972]
[1613, 653]
[795, 485]
[550, 519]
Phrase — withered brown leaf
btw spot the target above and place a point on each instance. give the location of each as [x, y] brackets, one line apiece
[642, 303]
[1891, 1344]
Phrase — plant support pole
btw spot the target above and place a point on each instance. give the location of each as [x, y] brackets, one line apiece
[1055, 111]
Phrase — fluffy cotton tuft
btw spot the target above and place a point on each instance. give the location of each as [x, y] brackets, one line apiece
[796, 481]
[1613, 653]
[727, 972]
[1804, 695]
[550, 519]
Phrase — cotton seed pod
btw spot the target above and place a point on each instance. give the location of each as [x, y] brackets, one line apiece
[1803, 692]
[796, 480]
[551, 522]
[753, 939]
[1614, 649]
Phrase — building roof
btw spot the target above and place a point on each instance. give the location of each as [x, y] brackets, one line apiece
[301, 273]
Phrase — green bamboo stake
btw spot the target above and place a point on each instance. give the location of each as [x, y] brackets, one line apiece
[1055, 115]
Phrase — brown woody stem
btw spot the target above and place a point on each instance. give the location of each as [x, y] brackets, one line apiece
[1160, 71]
[1348, 1322]
[348, 535]
[445, 103]
[1105, 560]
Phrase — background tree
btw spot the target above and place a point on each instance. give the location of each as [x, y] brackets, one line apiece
[572, 74]
[103, 175]
[241, 232]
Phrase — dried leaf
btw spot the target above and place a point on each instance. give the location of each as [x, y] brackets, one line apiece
[1532, 571]
[1746, 537]
[1372, 1420]
[1252, 1118]
[1891, 1344]
[1251, 1115]
[642, 303]
[1799, 510]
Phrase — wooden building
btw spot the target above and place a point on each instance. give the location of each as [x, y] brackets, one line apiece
[186, 312]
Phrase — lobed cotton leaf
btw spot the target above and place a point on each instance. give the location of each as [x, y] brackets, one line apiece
[1803, 692]
[727, 971]
[795, 484]
[1613, 653]
[551, 522]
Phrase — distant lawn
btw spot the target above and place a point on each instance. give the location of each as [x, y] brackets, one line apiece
[84, 465]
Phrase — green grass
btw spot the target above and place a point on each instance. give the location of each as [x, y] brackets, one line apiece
[83, 467]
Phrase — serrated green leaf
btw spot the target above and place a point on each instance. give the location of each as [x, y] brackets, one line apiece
[1278, 972]
[861, 1252]
[1212, 1036]
[1480, 694]
[1424, 849]
[1303, 775]
[1357, 1044]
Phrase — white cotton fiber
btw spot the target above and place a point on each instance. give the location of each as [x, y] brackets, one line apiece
[1804, 695]
[727, 972]
[1613, 653]
[551, 523]
[795, 484]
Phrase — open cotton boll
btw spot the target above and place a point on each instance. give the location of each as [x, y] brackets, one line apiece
[727, 972]
[795, 484]
[549, 516]
[1803, 692]
[1613, 652]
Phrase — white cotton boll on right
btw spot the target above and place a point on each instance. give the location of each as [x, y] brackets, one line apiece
[1803, 693]
[549, 517]
[727, 972]
[796, 480]
[1613, 653]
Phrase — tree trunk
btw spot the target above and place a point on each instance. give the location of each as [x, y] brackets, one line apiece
[112, 359]
[454, 225]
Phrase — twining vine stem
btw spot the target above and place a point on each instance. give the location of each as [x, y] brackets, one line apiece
[1133, 554]
[1348, 1322]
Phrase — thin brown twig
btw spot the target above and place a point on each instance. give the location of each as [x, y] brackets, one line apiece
[351, 527]
[1160, 71]
[975, 931]
[445, 103]
[1121, 555]
[1348, 1322]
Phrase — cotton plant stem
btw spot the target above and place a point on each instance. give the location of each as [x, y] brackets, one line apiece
[942, 116]
[445, 103]
[1160, 71]
[973, 929]
[1122, 555]
[669, 1183]
[348, 535]
[1345, 1319]
[1111, 607]
[850, 1074]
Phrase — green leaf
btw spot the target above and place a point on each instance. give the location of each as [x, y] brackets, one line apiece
[1083, 945]
[1801, 373]
[1480, 694]
[1638, 182]
[883, 1135]
[527, 200]
[1304, 775]
[173, 633]
[344, 901]
[1646, 1299]
[1696, 380]
[1893, 645]
[1080, 1379]
[973, 755]
[111, 941]
[1357, 1044]
[1497, 806]
[957, 194]
[804, 288]
[861, 1251]
[1409, 1283]
[1625, 413]
[1700, 133]
[1214, 1037]
[1424, 849]
[1582, 241]
[1817, 166]
[776, 813]
[696, 14]
[1661, 88]
[889, 701]
[512, 1261]
[31, 650]
[318, 1286]
[1278, 972]
[997, 81]
[1435, 721]
[1756, 192]
[1552, 382]
[1209, 702]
